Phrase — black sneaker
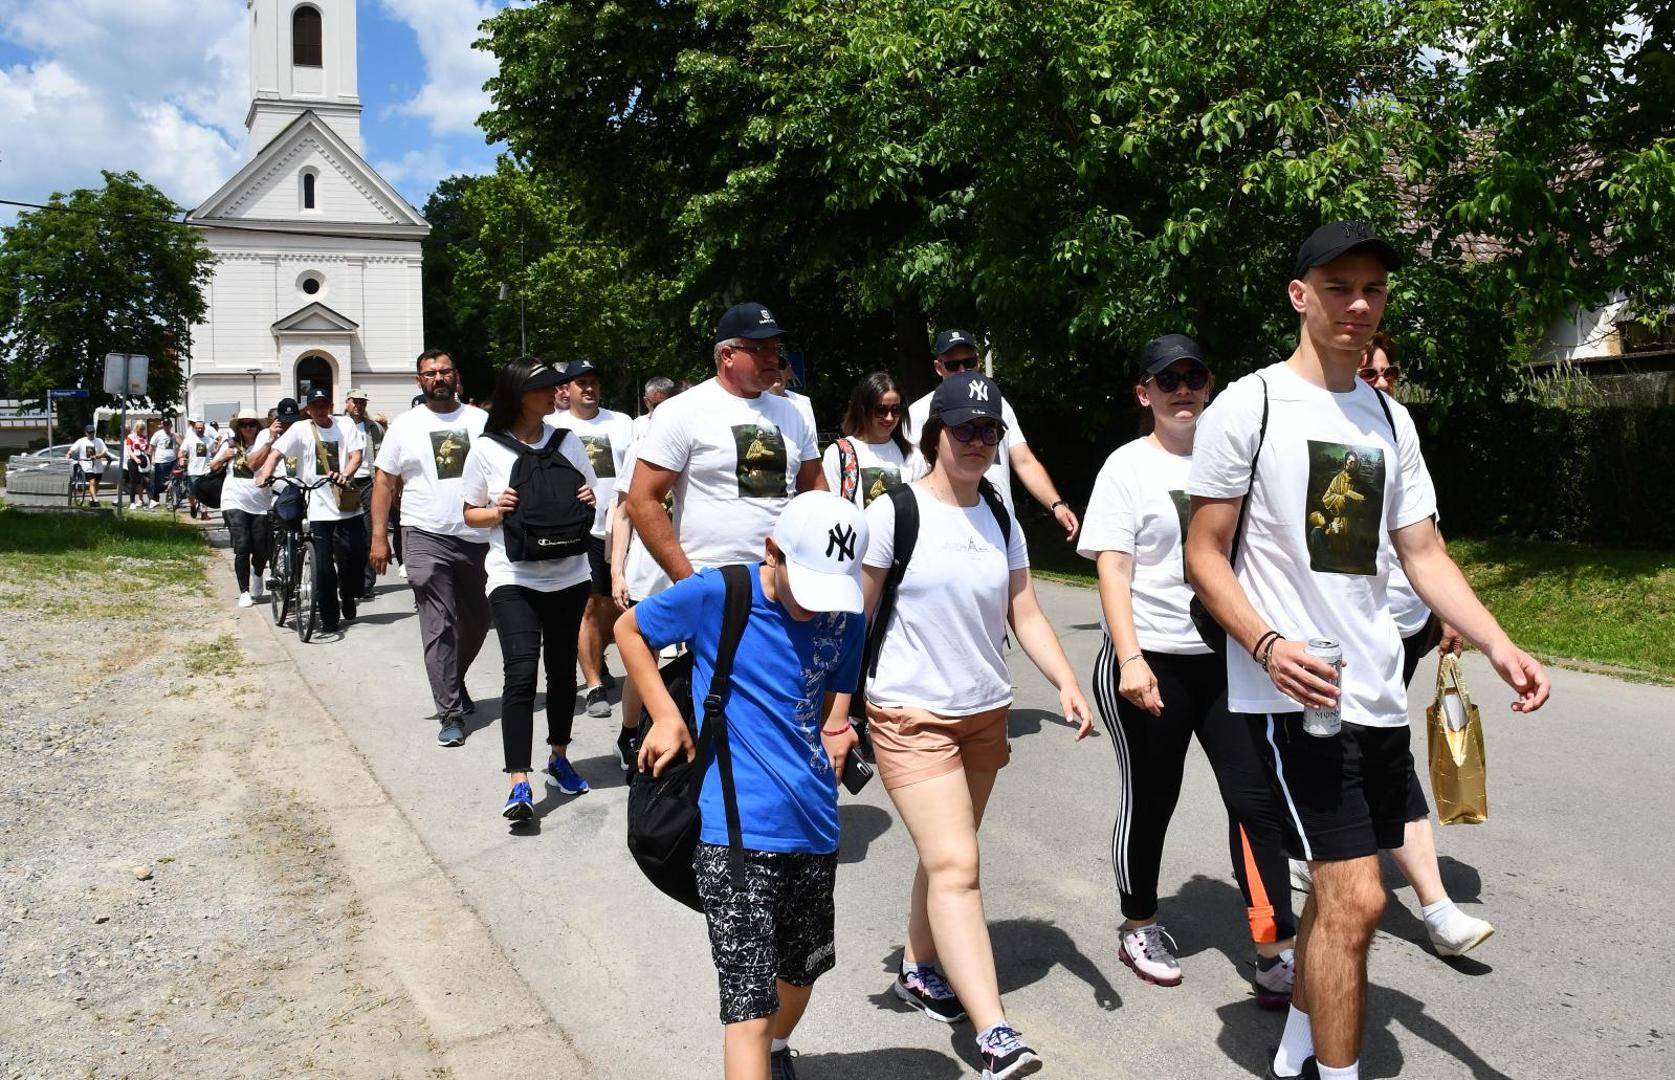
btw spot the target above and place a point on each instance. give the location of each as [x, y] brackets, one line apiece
[779, 1065]
[348, 607]
[451, 733]
[598, 703]
[929, 992]
[1005, 1055]
[1311, 1071]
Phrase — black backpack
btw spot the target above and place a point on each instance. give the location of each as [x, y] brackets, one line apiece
[663, 818]
[906, 536]
[550, 522]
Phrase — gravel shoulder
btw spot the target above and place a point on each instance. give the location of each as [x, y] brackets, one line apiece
[176, 894]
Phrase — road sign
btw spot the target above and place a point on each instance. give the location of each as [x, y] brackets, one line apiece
[125, 374]
[68, 393]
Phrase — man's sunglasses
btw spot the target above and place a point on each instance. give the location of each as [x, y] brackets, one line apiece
[1169, 381]
[1372, 375]
[884, 412]
[971, 429]
[970, 363]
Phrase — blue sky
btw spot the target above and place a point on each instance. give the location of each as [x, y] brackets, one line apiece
[161, 87]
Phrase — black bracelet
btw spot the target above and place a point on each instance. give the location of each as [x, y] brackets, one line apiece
[1058, 504]
[1261, 641]
[1268, 653]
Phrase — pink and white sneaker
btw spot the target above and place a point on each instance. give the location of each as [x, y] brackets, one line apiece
[1144, 951]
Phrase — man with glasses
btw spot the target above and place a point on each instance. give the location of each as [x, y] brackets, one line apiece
[732, 453]
[605, 435]
[422, 461]
[956, 351]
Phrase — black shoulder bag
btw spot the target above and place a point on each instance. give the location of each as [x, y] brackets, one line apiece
[664, 824]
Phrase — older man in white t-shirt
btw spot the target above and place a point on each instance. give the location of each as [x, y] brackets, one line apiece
[1330, 478]
[732, 453]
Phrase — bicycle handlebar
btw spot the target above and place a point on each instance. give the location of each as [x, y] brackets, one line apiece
[294, 482]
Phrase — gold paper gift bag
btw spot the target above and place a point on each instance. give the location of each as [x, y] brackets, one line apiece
[1458, 777]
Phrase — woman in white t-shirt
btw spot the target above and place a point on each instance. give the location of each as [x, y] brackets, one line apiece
[136, 464]
[1157, 683]
[244, 505]
[938, 698]
[873, 455]
[537, 604]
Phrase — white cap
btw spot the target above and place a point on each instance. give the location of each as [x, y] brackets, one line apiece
[823, 537]
[195, 418]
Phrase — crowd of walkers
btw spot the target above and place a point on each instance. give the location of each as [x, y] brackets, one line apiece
[1270, 575]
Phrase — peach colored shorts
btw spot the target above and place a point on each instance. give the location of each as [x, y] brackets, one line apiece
[910, 745]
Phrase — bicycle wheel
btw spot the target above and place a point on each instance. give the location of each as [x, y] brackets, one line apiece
[279, 577]
[308, 591]
[78, 489]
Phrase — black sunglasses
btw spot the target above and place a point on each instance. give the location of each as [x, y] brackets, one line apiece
[967, 364]
[886, 410]
[971, 429]
[1169, 381]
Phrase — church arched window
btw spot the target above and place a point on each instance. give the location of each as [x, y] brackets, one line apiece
[306, 36]
[308, 179]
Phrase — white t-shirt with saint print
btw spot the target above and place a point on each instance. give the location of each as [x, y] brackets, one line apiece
[1140, 507]
[198, 450]
[881, 466]
[606, 439]
[239, 491]
[942, 649]
[335, 444]
[1330, 486]
[738, 460]
[88, 452]
[1000, 473]
[426, 450]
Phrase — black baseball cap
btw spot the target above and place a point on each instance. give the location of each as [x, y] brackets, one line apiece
[748, 320]
[287, 411]
[953, 339]
[319, 393]
[87, 429]
[1338, 238]
[544, 378]
[577, 368]
[967, 395]
[1160, 352]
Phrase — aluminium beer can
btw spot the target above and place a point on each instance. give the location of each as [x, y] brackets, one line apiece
[1325, 723]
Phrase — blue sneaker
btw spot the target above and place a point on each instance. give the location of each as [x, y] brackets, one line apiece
[520, 804]
[563, 776]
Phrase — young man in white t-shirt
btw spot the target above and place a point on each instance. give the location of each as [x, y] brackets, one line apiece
[90, 454]
[328, 446]
[1337, 479]
[165, 450]
[422, 460]
[732, 453]
[198, 447]
[605, 434]
[956, 351]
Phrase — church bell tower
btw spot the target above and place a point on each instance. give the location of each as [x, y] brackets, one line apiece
[302, 58]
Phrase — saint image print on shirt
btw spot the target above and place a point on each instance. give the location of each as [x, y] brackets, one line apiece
[761, 461]
[447, 450]
[241, 467]
[1345, 510]
[876, 480]
[598, 449]
[326, 459]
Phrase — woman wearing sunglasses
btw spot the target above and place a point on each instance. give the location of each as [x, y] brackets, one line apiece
[1157, 683]
[873, 455]
[245, 504]
[938, 699]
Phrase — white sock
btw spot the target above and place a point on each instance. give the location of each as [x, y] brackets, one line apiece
[908, 967]
[1295, 1045]
[1438, 914]
[1352, 1071]
[780, 1044]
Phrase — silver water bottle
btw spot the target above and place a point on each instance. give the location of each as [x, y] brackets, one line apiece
[1325, 723]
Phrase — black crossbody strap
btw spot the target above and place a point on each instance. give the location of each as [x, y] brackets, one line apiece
[906, 535]
[1244, 504]
[735, 613]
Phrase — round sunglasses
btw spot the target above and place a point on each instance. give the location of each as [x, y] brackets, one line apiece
[1170, 381]
[971, 429]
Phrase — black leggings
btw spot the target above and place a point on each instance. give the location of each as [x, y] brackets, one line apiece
[1151, 758]
[535, 625]
[252, 536]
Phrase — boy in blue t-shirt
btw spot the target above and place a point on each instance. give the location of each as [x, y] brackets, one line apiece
[788, 729]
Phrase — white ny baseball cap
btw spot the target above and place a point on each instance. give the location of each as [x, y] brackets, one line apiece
[823, 537]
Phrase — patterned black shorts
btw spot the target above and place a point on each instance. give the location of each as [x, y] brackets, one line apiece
[778, 927]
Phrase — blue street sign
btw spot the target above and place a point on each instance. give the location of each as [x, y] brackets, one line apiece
[68, 393]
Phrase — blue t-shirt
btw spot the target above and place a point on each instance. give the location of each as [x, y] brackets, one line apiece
[783, 669]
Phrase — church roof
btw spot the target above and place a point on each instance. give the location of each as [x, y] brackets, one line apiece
[384, 213]
[315, 318]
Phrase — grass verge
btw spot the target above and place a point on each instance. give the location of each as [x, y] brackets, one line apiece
[132, 558]
[1604, 606]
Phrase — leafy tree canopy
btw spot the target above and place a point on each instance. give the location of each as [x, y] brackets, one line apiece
[99, 271]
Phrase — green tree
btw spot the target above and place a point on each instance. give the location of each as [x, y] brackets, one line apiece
[99, 271]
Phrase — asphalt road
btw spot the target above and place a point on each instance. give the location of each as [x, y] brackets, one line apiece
[1575, 869]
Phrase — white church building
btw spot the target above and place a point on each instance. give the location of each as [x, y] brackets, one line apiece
[317, 273]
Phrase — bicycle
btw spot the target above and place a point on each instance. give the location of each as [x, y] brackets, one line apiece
[293, 577]
[78, 486]
[175, 490]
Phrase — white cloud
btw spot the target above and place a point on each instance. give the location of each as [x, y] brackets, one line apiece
[416, 173]
[159, 87]
[453, 95]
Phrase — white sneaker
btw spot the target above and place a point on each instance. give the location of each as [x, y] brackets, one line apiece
[403, 571]
[1459, 933]
[1273, 986]
[1301, 880]
[1144, 951]
[245, 601]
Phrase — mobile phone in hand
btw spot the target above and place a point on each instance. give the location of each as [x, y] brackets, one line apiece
[857, 770]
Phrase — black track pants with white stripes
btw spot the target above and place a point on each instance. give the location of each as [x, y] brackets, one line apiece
[1151, 758]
